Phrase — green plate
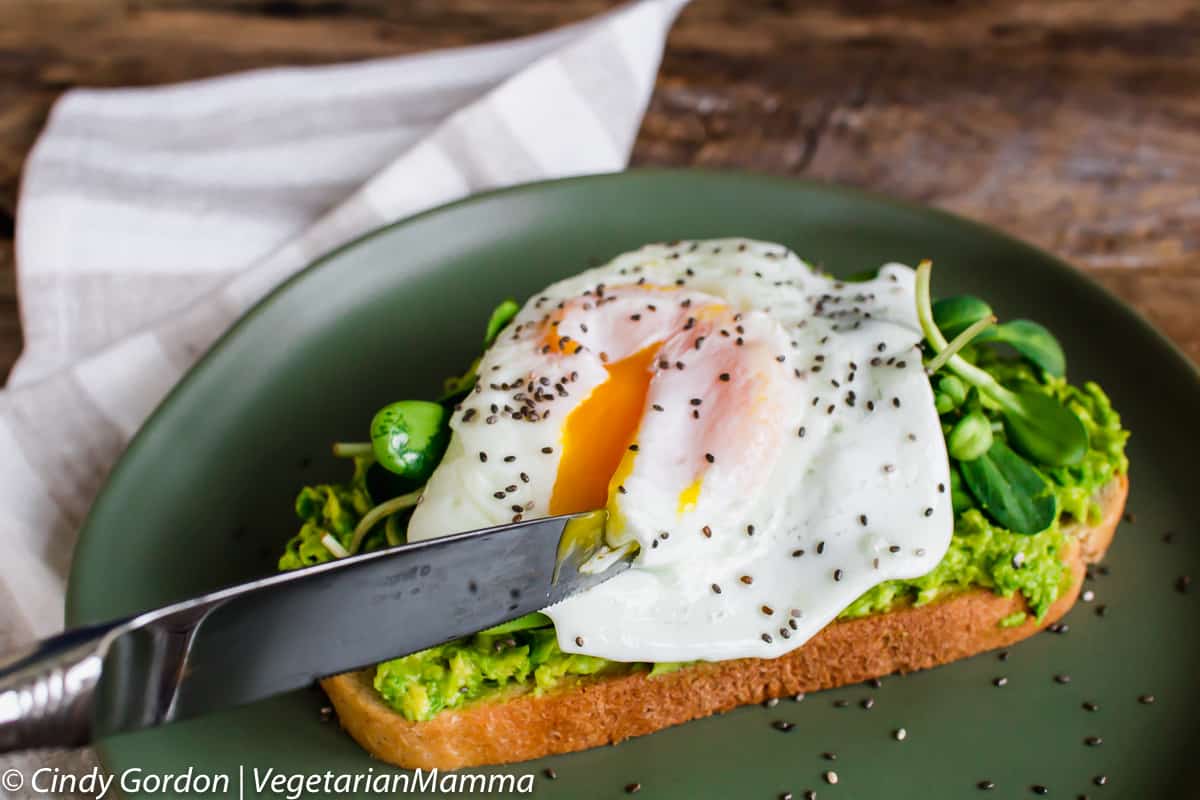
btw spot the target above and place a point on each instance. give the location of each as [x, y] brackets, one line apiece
[203, 497]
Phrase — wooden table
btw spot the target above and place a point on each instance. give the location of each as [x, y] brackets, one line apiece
[1073, 124]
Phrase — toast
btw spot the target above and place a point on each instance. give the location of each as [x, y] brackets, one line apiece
[589, 712]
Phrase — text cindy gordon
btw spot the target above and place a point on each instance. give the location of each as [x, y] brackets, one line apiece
[260, 782]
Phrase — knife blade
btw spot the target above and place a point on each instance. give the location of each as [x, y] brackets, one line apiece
[249, 641]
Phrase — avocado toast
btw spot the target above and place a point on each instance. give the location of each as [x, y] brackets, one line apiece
[1031, 506]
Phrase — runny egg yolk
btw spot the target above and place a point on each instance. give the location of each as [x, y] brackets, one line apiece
[597, 434]
[637, 326]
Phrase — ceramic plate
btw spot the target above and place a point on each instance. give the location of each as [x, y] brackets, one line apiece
[203, 497]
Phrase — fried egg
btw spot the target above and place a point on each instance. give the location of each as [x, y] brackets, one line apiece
[766, 435]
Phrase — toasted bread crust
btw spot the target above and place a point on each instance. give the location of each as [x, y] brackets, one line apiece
[602, 711]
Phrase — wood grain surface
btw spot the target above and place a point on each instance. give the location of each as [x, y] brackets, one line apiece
[1073, 124]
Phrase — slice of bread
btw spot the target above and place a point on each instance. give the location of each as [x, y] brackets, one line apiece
[602, 710]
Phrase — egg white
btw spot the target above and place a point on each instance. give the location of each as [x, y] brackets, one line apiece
[823, 465]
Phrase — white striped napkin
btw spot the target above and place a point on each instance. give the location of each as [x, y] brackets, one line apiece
[150, 219]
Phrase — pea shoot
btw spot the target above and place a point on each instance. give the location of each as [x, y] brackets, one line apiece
[1038, 426]
[409, 437]
[953, 315]
[994, 470]
[458, 385]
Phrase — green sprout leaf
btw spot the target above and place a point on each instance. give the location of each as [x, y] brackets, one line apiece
[501, 316]
[863, 276]
[970, 438]
[1010, 490]
[1045, 430]
[1038, 425]
[409, 437]
[953, 315]
[954, 389]
[1032, 341]
[534, 619]
[458, 385]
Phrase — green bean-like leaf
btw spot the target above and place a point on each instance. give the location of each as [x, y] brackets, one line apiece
[409, 437]
[535, 619]
[953, 315]
[864, 276]
[970, 438]
[501, 316]
[1010, 490]
[1044, 429]
[458, 385]
[1032, 341]
[954, 388]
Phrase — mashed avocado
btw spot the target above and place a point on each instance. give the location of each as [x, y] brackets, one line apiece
[333, 509]
[422, 684]
[984, 554]
[489, 664]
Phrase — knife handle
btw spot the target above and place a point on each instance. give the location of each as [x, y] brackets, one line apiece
[47, 691]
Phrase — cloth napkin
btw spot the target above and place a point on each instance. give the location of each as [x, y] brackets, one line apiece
[150, 219]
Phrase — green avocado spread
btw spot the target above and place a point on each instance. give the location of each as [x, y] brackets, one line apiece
[523, 656]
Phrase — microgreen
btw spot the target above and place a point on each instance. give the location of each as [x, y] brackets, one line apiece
[1011, 490]
[1038, 426]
